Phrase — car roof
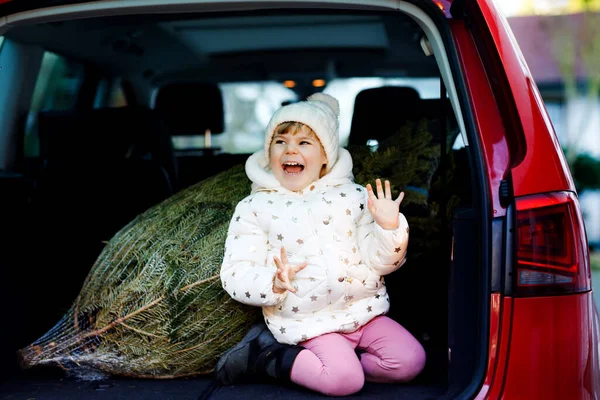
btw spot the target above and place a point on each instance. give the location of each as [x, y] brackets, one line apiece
[241, 46]
[13, 6]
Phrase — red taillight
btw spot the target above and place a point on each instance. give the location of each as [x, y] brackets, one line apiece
[552, 251]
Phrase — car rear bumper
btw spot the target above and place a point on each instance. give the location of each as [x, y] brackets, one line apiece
[543, 348]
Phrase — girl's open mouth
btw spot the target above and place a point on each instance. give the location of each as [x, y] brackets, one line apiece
[292, 168]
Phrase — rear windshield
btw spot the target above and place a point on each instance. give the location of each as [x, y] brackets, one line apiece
[250, 105]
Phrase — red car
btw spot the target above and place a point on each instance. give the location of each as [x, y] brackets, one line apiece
[110, 107]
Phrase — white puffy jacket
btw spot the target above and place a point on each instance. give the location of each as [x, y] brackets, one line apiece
[327, 225]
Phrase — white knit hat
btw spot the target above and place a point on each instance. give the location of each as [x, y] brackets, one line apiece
[319, 112]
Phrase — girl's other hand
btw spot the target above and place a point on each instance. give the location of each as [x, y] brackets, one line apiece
[286, 273]
[382, 207]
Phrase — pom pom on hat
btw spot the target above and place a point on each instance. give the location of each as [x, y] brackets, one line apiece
[320, 113]
[330, 100]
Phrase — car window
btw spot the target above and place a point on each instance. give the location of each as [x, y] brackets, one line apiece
[56, 88]
[117, 97]
[248, 108]
[346, 90]
[1, 41]
[110, 93]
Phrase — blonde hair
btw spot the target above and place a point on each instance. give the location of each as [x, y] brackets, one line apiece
[292, 127]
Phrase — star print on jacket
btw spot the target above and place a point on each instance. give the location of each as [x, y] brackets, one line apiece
[325, 225]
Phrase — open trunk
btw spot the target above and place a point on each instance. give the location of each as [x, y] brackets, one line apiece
[56, 208]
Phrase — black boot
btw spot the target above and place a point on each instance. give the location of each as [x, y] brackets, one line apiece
[258, 353]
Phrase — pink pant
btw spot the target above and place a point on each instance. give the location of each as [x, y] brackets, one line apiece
[330, 365]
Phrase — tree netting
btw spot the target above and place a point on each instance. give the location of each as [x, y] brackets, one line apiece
[152, 304]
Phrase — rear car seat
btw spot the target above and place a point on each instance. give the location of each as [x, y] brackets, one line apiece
[100, 169]
[189, 109]
[380, 112]
[115, 159]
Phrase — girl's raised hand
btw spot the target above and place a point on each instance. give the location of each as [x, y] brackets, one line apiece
[383, 207]
[286, 273]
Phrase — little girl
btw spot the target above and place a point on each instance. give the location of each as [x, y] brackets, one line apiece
[311, 247]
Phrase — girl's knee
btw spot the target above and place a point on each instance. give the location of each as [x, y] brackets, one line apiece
[343, 382]
[411, 363]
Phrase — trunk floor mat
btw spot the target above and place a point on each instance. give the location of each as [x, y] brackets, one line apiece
[65, 388]
[288, 392]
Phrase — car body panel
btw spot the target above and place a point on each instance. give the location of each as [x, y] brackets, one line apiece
[500, 315]
[520, 363]
[550, 357]
[487, 118]
[535, 353]
[543, 167]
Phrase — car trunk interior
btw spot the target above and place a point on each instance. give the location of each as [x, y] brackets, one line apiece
[63, 213]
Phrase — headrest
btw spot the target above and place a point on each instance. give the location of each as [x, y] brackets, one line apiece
[104, 134]
[191, 108]
[380, 112]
